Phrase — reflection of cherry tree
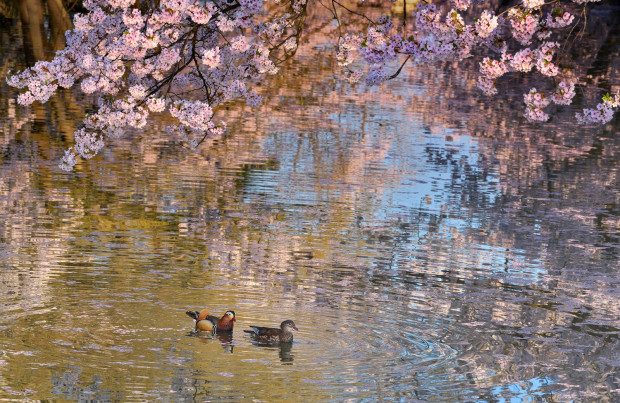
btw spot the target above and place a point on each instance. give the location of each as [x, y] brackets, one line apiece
[187, 57]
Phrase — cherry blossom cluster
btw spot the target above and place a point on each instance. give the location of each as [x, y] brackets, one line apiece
[603, 112]
[544, 55]
[559, 19]
[564, 93]
[534, 104]
[181, 57]
[450, 38]
[494, 68]
[533, 4]
[522, 61]
[524, 24]
[486, 24]
[535, 101]
[520, 35]
[461, 4]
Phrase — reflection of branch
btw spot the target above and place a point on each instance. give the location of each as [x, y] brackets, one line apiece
[404, 16]
[354, 12]
[204, 137]
[335, 14]
[298, 30]
[337, 19]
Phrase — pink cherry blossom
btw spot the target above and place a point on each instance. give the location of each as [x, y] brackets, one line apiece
[493, 68]
[138, 91]
[534, 104]
[156, 104]
[533, 4]
[564, 93]
[486, 85]
[239, 44]
[196, 114]
[253, 99]
[603, 112]
[524, 25]
[544, 55]
[523, 60]
[560, 20]
[461, 4]
[486, 24]
[211, 57]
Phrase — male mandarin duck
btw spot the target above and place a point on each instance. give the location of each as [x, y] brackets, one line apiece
[273, 335]
[209, 323]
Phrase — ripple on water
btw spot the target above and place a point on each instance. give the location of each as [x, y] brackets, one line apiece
[366, 344]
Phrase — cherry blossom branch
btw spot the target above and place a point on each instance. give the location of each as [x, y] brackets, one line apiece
[393, 76]
[188, 57]
[444, 35]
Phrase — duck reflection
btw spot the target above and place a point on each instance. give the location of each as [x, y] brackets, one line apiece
[285, 353]
[285, 350]
[225, 339]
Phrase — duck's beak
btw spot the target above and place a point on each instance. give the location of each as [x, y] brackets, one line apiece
[295, 327]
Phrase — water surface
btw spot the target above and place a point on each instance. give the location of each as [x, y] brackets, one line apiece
[429, 244]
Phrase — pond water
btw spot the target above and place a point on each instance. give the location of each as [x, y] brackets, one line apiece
[429, 244]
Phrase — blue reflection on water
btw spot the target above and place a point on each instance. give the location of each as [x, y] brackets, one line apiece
[523, 391]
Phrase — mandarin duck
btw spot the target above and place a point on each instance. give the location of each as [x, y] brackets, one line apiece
[273, 335]
[208, 323]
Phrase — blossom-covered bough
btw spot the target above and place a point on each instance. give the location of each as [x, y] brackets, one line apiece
[180, 56]
[520, 37]
[186, 57]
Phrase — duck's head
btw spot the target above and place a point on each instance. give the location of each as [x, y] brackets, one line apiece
[287, 325]
[230, 315]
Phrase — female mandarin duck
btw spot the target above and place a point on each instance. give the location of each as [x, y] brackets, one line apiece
[209, 323]
[273, 335]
